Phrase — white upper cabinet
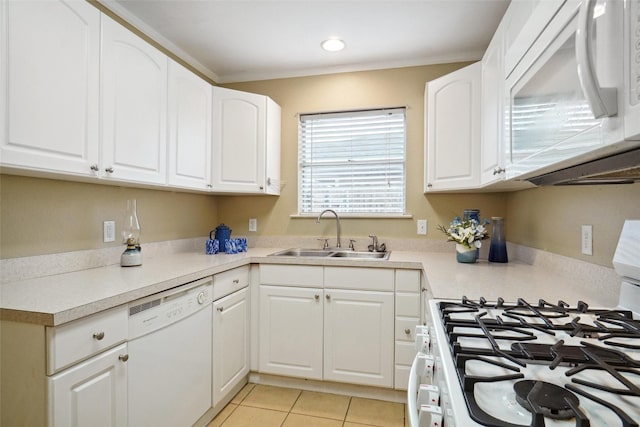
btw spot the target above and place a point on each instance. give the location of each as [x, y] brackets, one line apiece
[133, 107]
[452, 105]
[189, 129]
[492, 155]
[246, 143]
[49, 85]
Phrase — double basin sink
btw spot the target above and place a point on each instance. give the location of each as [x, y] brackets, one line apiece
[331, 253]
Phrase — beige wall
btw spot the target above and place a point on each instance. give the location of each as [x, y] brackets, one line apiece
[550, 218]
[544, 218]
[42, 216]
[45, 216]
[382, 88]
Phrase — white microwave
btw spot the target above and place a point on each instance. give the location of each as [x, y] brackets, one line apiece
[574, 96]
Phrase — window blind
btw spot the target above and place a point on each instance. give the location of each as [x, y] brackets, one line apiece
[353, 162]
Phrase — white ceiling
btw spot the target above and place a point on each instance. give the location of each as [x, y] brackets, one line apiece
[243, 40]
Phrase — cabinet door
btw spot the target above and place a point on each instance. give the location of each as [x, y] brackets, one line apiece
[134, 107]
[230, 342]
[49, 85]
[291, 331]
[189, 129]
[453, 130]
[92, 393]
[358, 337]
[239, 124]
[493, 83]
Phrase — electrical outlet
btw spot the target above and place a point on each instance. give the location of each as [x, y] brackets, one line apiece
[253, 224]
[587, 239]
[109, 231]
[422, 226]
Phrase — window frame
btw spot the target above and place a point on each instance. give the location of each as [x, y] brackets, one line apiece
[389, 161]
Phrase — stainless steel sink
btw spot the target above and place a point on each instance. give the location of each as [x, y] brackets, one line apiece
[298, 252]
[361, 255]
[330, 253]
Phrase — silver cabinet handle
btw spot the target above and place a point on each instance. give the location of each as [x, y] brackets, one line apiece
[498, 170]
[98, 336]
[109, 169]
[328, 297]
[95, 168]
[236, 281]
[220, 309]
[123, 357]
[317, 297]
[407, 331]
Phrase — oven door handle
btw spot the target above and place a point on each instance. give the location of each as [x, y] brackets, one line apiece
[412, 394]
[603, 101]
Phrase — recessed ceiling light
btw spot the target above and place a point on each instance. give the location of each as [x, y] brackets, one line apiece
[332, 45]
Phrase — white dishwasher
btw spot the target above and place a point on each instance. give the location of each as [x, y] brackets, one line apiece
[169, 372]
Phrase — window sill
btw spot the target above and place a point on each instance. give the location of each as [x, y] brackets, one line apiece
[354, 215]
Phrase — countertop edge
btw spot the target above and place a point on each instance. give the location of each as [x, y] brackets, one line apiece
[443, 275]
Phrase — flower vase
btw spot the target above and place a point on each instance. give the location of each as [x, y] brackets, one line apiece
[465, 254]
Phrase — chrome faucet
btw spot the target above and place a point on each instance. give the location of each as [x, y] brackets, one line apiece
[337, 224]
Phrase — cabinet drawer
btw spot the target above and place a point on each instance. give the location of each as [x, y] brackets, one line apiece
[373, 279]
[291, 275]
[407, 304]
[82, 338]
[408, 280]
[405, 353]
[230, 281]
[405, 328]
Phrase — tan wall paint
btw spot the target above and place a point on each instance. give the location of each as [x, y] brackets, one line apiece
[543, 218]
[550, 218]
[371, 89]
[43, 216]
[40, 216]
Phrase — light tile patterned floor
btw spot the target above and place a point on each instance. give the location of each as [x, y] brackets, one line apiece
[268, 406]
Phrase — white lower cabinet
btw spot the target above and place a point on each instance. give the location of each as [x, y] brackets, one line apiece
[92, 393]
[327, 333]
[358, 337]
[290, 331]
[408, 309]
[231, 356]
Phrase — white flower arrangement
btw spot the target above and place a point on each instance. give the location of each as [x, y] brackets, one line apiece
[467, 232]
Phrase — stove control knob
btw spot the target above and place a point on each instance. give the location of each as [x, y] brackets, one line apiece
[422, 343]
[425, 368]
[421, 329]
[428, 395]
[430, 416]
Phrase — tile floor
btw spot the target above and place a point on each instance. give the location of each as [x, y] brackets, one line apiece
[267, 406]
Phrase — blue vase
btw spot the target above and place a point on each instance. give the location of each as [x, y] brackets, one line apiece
[465, 255]
[498, 248]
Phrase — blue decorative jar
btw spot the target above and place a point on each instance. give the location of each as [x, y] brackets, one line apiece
[223, 233]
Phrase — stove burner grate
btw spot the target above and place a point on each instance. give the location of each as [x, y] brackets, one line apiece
[551, 400]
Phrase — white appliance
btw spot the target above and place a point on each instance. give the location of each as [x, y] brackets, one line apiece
[539, 363]
[169, 377]
[574, 96]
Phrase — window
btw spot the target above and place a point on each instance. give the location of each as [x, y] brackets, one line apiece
[353, 162]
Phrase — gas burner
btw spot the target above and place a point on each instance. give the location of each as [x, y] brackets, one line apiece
[549, 399]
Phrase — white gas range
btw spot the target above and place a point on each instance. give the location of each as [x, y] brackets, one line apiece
[532, 363]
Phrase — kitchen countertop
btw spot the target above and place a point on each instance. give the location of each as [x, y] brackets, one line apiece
[61, 298]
